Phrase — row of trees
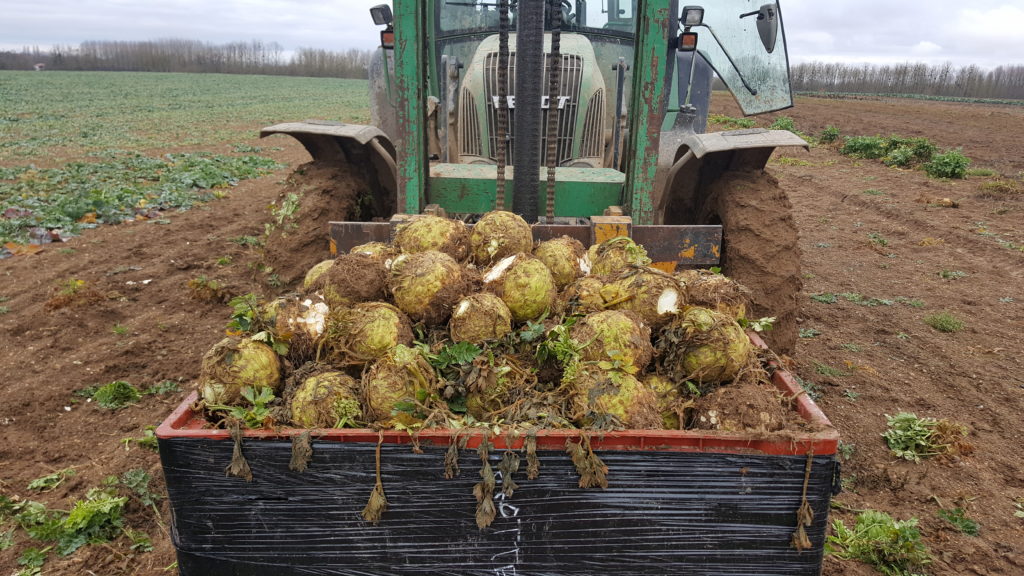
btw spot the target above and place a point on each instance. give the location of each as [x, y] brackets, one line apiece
[177, 55]
[1003, 82]
[256, 57]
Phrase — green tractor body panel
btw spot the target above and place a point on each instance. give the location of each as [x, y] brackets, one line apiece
[471, 189]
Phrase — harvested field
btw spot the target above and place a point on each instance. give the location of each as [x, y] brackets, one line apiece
[877, 262]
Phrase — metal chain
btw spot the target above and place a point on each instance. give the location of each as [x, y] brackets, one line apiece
[554, 93]
[502, 103]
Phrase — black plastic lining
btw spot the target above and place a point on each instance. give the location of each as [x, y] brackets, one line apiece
[663, 513]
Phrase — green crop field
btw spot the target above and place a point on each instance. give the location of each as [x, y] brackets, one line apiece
[78, 149]
[60, 115]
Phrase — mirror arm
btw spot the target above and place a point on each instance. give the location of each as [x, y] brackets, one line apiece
[751, 89]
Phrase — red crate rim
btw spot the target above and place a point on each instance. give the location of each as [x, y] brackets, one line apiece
[183, 422]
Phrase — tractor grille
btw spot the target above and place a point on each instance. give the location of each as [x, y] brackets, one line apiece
[469, 125]
[571, 77]
[593, 128]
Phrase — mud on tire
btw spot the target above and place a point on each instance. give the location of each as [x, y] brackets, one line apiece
[759, 248]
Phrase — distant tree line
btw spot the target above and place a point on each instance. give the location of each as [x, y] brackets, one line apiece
[257, 57]
[1003, 82]
[177, 55]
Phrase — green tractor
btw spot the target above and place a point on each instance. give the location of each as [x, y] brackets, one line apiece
[586, 117]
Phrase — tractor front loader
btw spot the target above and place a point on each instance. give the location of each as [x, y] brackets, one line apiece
[587, 118]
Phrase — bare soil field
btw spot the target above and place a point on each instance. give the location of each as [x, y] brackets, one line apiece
[865, 229]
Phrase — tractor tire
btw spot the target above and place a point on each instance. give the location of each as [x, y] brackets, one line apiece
[759, 248]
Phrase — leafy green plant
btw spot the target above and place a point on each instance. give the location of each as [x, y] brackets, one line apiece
[809, 333]
[148, 440]
[952, 274]
[893, 547]
[825, 298]
[826, 370]
[209, 289]
[951, 164]
[253, 416]
[245, 314]
[944, 322]
[116, 395]
[32, 559]
[730, 123]
[913, 438]
[809, 387]
[120, 330]
[783, 123]
[98, 518]
[758, 324]
[51, 481]
[874, 192]
[958, 518]
[877, 239]
[845, 451]
[250, 241]
[863, 147]
[829, 135]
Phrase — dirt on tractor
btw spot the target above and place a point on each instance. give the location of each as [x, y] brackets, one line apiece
[142, 302]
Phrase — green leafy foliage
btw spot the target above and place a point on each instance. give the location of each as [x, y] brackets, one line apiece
[148, 440]
[829, 135]
[783, 123]
[136, 481]
[958, 518]
[454, 355]
[85, 194]
[951, 164]
[825, 298]
[863, 146]
[730, 123]
[98, 518]
[913, 438]
[51, 481]
[893, 547]
[256, 414]
[944, 322]
[116, 395]
[245, 314]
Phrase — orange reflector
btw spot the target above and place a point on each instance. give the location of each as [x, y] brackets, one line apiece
[387, 38]
[687, 41]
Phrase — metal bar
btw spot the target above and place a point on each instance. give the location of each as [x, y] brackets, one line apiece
[529, 79]
[650, 69]
[410, 79]
[620, 92]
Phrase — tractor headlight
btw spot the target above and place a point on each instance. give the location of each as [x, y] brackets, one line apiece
[692, 16]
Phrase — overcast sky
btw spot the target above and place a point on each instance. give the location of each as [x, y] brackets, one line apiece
[983, 32]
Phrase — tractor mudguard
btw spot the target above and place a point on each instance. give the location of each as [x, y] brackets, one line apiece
[337, 143]
[689, 163]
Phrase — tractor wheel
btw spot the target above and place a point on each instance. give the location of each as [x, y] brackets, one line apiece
[759, 248]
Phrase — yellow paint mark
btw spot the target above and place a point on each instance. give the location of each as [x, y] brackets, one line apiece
[715, 251]
[669, 267]
[334, 247]
[607, 231]
[688, 253]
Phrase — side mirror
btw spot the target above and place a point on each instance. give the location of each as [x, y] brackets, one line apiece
[381, 15]
[768, 26]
